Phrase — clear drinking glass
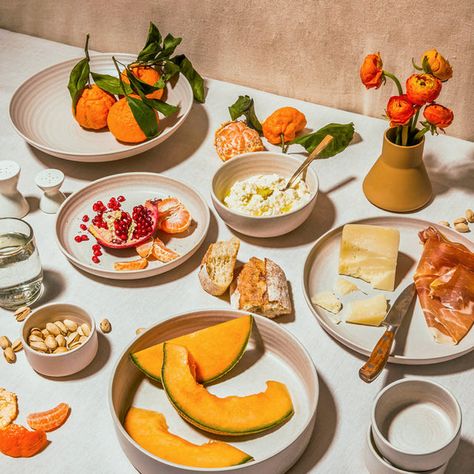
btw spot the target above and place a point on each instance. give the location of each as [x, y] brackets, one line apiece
[21, 276]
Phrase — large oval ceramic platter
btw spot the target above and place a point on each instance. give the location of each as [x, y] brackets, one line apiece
[40, 111]
[136, 188]
[414, 342]
[272, 354]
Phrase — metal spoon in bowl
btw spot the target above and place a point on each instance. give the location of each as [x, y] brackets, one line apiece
[322, 145]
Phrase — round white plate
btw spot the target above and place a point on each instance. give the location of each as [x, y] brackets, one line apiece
[136, 188]
[414, 343]
[40, 111]
[272, 354]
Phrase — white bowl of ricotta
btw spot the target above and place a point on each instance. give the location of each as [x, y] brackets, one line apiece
[247, 193]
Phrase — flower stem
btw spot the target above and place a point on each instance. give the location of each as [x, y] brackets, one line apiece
[394, 79]
[420, 134]
[398, 138]
[405, 135]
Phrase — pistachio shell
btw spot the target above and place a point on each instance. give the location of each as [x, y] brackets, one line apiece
[60, 350]
[61, 340]
[45, 333]
[51, 342]
[53, 329]
[4, 342]
[22, 313]
[105, 326]
[71, 325]
[39, 346]
[9, 355]
[17, 345]
[62, 327]
[86, 330]
[35, 338]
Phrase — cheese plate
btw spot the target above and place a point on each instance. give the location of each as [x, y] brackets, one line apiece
[414, 343]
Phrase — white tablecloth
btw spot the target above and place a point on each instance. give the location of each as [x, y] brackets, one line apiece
[87, 443]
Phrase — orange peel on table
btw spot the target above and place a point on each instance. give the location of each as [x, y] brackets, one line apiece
[235, 138]
[92, 108]
[147, 74]
[49, 420]
[18, 442]
[122, 123]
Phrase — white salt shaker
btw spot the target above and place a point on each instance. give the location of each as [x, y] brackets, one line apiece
[12, 202]
[49, 181]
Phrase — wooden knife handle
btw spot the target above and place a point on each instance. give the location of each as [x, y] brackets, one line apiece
[377, 360]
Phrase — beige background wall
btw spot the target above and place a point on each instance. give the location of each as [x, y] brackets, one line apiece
[300, 48]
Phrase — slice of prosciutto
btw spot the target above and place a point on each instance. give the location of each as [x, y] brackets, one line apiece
[444, 281]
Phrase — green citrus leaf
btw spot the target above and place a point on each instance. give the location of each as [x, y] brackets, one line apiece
[244, 105]
[170, 43]
[153, 44]
[144, 115]
[78, 80]
[196, 81]
[163, 107]
[342, 134]
[110, 84]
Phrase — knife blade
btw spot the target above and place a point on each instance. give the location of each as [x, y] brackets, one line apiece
[379, 356]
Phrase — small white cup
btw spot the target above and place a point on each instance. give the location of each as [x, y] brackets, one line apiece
[66, 363]
[376, 464]
[416, 424]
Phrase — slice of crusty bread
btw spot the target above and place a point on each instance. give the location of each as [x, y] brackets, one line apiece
[261, 287]
[217, 266]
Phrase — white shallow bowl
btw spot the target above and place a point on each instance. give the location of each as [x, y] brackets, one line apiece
[416, 424]
[137, 188]
[67, 363]
[272, 354]
[251, 164]
[414, 344]
[40, 111]
[376, 464]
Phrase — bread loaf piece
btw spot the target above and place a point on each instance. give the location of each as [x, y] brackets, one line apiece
[217, 266]
[261, 287]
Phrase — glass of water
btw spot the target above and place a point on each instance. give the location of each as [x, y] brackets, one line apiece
[21, 276]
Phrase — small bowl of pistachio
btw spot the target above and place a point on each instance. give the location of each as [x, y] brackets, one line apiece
[59, 339]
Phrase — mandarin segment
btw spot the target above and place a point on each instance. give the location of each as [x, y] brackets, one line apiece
[93, 107]
[49, 420]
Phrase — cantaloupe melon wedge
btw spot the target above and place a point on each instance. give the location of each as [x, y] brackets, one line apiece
[228, 416]
[215, 350]
[149, 429]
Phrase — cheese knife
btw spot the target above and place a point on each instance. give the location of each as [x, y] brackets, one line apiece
[378, 359]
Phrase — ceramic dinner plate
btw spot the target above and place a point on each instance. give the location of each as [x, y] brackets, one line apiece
[136, 188]
[40, 111]
[272, 354]
[414, 343]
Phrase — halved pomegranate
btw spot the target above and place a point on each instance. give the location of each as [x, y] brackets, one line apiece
[117, 229]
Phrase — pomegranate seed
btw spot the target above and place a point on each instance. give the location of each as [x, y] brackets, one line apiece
[120, 199]
[78, 238]
[97, 253]
[83, 227]
[96, 247]
[95, 259]
[84, 237]
[85, 218]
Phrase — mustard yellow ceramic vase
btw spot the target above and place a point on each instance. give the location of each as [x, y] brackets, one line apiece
[398, 181]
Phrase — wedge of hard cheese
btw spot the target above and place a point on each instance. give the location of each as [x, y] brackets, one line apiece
[370, 311]
[370, 253]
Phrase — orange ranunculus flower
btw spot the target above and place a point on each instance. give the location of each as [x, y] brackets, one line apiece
[423, 88]
[371, 72]
[439, 66]
[438, 115]
[399, 110]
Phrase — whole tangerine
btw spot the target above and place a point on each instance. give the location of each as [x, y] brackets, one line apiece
[122, 123]
[93, 107]
[147, 74]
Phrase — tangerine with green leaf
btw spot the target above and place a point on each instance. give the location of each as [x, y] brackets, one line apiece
[147, 74]
[122, 123]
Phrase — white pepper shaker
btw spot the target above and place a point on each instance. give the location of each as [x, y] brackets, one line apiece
[50, 181]
[12, 202]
